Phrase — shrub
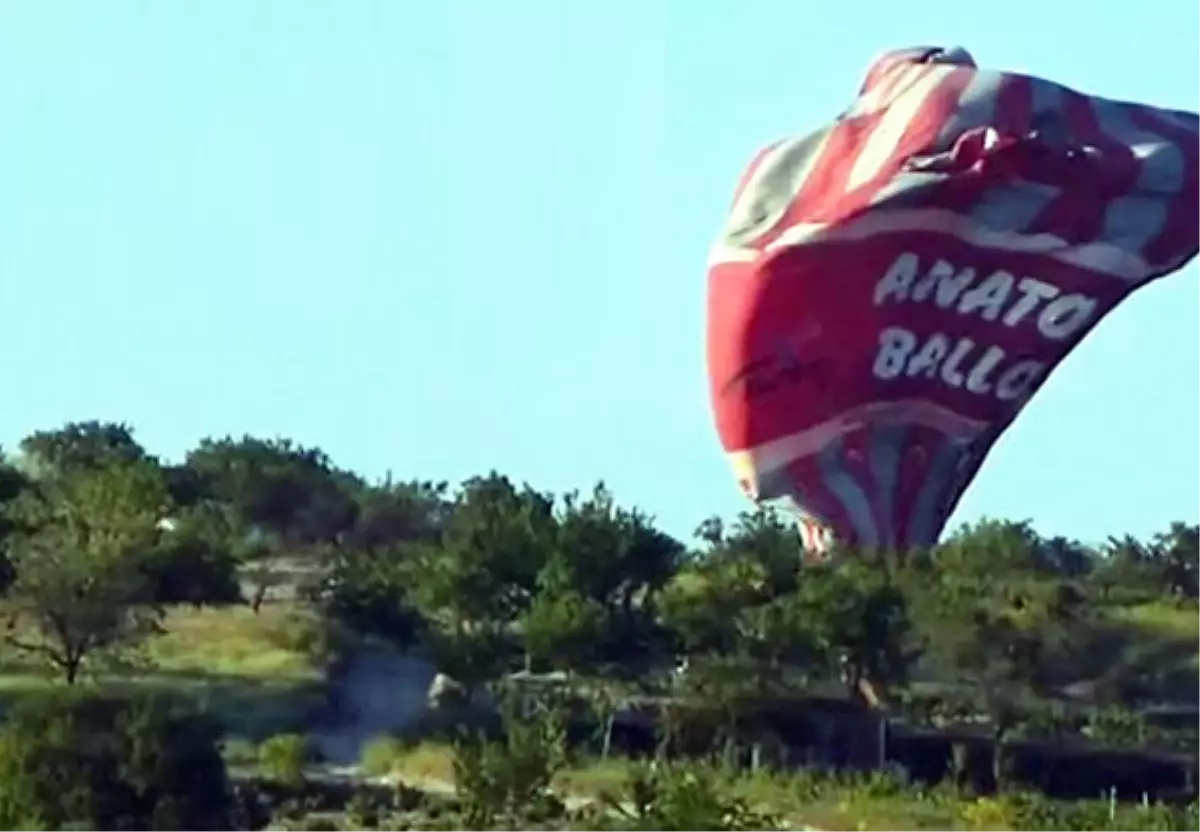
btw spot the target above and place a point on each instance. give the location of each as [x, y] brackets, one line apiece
[237, 751]
[107, 762]
[380, 756]
[362, 812]
[284, 757]
[666, 796]
[1023, 810]
[197, 562]
[299, 633]
[321, 825]
[511, 777]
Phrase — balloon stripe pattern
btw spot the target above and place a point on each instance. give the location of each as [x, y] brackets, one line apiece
[892, 288]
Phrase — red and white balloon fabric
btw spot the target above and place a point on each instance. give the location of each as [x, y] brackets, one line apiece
[890, 289]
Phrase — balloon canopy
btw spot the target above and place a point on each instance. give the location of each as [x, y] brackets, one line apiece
[891, 289]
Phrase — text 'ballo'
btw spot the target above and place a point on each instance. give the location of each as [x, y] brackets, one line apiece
[961, 362]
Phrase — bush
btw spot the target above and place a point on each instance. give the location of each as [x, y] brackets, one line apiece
[666, 796]
[1100, 814]
[107, 762]
[380, 756]
[367, 591]
[284, 757]
[297, 632]
[362, 812]
[196, 563]
[511, 777]
[321, 825]
[237, 751]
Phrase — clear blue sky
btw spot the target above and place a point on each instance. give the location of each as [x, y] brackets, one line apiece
[447, 236]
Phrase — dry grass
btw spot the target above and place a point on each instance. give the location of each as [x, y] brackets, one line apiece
[274, 644]
[781, 795]
[1161, 618]
[798, 799]
[425, 761]
[257, 674]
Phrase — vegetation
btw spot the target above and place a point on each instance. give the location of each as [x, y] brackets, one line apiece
[105, 762]
[596, 672]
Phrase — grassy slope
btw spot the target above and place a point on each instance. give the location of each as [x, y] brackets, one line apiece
[253, 672]
[256, 673]
[838, 809]
[1161, 618]
[800, 800]
[1161, 640]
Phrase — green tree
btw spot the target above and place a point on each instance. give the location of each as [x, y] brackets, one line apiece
[615, 556]
[393, 514]
[284, 758]
[703, 613]
[484, 568]
[1069, 558]
[12, 480]
[369, 590]
[562, 628]
[471, 655]
[1128, 570]
[740, 590]
[74, 761]
[998, 608]
[1000, 638]
[1179, 552]
[947, 608]
[860, 623]
[80, 549]
[476, 581]
[197, 558]
[764, 540]
[781, 633]
[997, 549]
[78, 445]
[291, 493]
[12, 483]
[511, 777]
[680, 797]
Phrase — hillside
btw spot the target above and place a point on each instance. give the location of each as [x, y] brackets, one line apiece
[326, 620]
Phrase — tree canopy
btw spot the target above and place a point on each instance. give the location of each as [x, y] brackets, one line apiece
[494, 576]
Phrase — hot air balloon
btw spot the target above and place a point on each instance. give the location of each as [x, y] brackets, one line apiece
[890, 290]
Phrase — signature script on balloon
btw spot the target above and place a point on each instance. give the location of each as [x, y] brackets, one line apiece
[773, 372]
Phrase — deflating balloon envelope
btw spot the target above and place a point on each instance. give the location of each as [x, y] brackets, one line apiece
[891, 289]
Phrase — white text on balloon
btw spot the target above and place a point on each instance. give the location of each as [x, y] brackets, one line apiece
[957, 364]
[998, 296]
[960, 362]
